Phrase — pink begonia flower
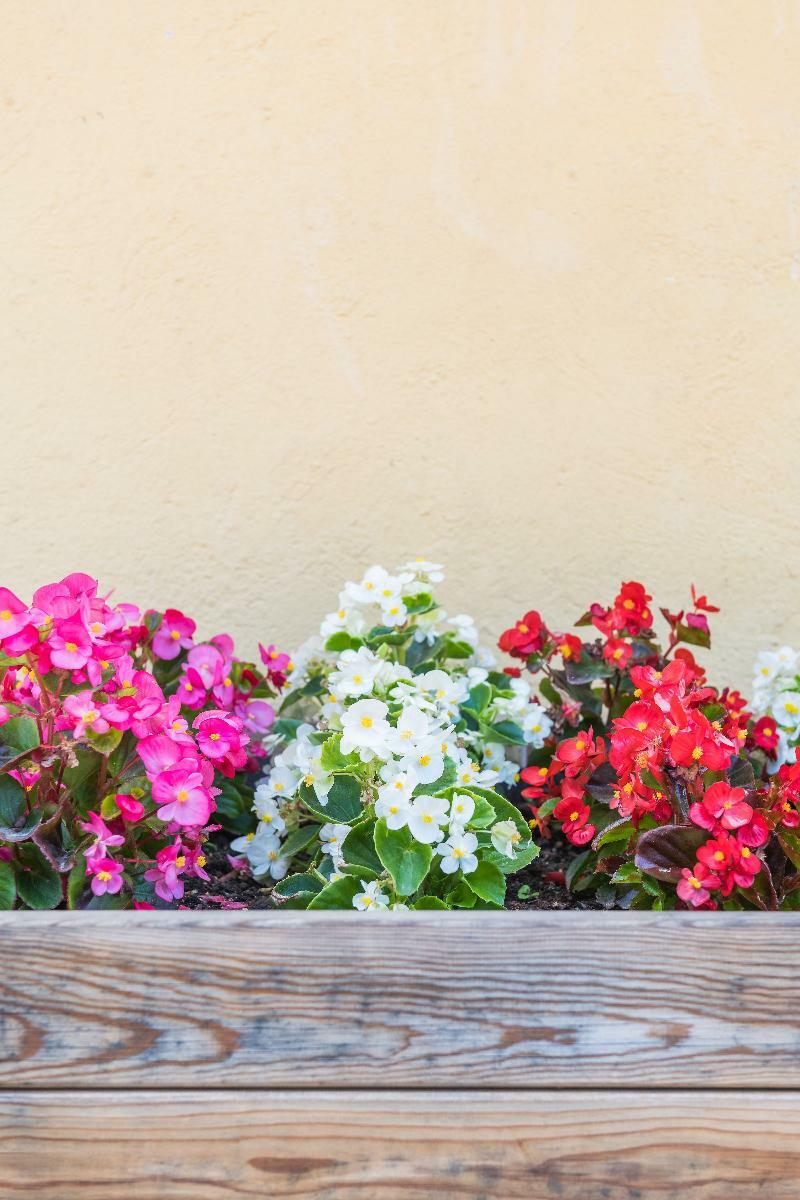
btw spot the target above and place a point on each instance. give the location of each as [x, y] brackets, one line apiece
[221, 737]
[219, 734]
[13, 614]
[224, 642]
[223, 691]
[4, 714]
[20, 643]
[182, 797]
[106, 876]
[104, 836]
[191, 690]
[70, 646]
[173, 634]
[85, 712]
[273, 660]
[165, 875]
[137, 705]
[131, 809]
[158, 753]
[175, 726]
[258, 716]
[140, 905]
[207, 661]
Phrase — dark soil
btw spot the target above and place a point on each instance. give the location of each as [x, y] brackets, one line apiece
[542, 883]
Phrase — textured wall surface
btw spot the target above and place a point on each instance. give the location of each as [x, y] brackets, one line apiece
[293, 286]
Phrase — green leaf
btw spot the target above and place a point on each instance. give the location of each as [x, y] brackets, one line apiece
[295, 885]
[587, 670]
[120, 900]
[23, 830]
[298, 839]
[407, 860]
[509, 866]
[617, 831]
[20, 733]
[77, 883]
[507, 732]
[421, 602]
[478, 698]
[286, 728]
[332, 759]
[12, 801]
[488, 882]
[460, 896]
[39, 887]
[342, 640]
[105, 743]
[359, 847]
[485, 813]
[445, 780]
[454, 648]
[551, 695]
[426, 902]
[234, 811]
[338, 894]
[8, 887]
[790, 844]
[343, 801]
[693, 637]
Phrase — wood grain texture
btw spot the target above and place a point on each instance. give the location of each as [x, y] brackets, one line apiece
[184, 1000]
[399, 1146]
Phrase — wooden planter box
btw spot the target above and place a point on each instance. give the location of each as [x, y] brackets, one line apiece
[589, 1056]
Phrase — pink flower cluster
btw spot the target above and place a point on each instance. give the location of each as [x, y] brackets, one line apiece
[96, 676]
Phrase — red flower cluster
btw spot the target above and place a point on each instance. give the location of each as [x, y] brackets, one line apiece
[527, 636]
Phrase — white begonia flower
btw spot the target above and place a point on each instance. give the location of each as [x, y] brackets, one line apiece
[426, 816]
[365, 729]
[394, 613]
[467, 773]
[398, 906]
[372, 899]
[508, 772]
[461, 809]
[395, 795]
[264, 855]
[347, 617]
[784, 753]
[769, 665]
[314, 775]
[476, 675]
[269, 817]
[505, 837]
[282, 780]
[356, 673]
[412, 726]
[427, 625]
[536, 726]
[331, 837]
[391, 674]
[486, 658]
[465, 628]
[786, 711]
[458, 853]
[240, 845]
[425, 759]
[372, 587]
[421, 566]
[448, 691]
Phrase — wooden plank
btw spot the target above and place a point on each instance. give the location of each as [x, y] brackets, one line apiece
[399, 1145]
[291, 999]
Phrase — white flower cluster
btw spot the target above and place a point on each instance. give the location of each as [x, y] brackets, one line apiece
[407, 724]
[776, 694]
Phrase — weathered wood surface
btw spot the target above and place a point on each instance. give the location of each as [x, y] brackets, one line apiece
[183, 1000]
[399, 1146]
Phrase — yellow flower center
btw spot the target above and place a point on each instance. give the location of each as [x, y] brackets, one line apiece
[182, 796]
[697, 753]
[71, 647]
[174, 634]
[5, 615]
[366, 722]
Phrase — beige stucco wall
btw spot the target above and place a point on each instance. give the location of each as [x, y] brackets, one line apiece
[295, 285]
